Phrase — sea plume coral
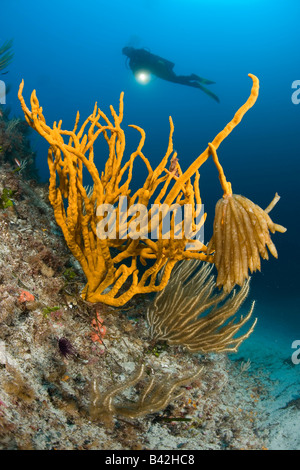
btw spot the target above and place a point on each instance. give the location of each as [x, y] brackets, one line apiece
[6, 54]
[188, 312]
[241, 234]
[157, 394]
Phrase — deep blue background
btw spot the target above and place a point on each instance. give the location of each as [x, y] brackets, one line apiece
[70, 52]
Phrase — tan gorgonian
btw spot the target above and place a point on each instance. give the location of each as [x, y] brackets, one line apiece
[156, 395]
[189, 311]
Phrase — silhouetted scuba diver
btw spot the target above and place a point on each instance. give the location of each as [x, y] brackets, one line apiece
[142, 61]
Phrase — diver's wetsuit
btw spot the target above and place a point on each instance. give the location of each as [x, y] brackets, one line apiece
[141, 60]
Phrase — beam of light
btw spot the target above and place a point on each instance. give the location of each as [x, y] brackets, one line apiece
[143, 77]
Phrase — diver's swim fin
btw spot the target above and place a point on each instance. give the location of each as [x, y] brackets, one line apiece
[204, 81]
[208, 92]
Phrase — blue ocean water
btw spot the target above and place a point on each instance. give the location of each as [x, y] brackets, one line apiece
[71, 52]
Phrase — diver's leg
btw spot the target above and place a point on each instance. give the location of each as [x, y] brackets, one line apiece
[208, 92]
[184, 80]
[187, 79]
[204, 81]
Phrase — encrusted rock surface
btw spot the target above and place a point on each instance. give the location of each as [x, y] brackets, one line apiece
[46, 396]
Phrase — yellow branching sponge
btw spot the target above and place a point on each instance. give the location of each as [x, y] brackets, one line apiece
[117, 252]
